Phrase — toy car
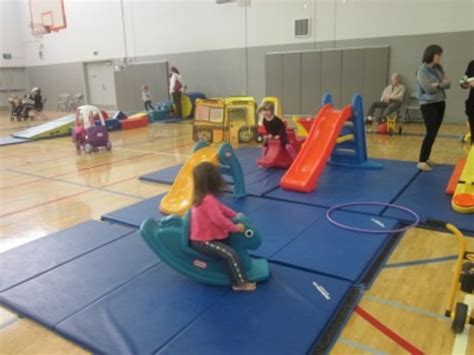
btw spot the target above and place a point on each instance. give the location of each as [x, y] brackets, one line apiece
[86, 135]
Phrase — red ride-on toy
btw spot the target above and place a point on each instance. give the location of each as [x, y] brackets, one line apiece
[277, 156]
[86, 135]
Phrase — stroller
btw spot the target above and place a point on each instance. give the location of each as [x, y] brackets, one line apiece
[16, 107]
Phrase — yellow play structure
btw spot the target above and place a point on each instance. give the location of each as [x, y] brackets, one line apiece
[225, 120]
[463, 197]
[181, 195]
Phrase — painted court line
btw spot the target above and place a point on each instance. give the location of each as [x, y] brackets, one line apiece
[70, 172]
[421, 261]
[462, 339]
[388, 332]
[405, 307]
[85, 185]
[360, 346]
[45, 203]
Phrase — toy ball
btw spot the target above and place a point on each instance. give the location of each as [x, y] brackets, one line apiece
[382, 128]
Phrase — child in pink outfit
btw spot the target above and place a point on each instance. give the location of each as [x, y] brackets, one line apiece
[211, 224]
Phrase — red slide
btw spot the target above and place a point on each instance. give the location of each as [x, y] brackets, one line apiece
[309, 164]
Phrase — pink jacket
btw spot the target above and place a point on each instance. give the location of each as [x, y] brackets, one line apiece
[210, 220]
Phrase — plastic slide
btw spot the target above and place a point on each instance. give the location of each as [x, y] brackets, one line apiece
[311, 160]
[180, 197]
[463, 198]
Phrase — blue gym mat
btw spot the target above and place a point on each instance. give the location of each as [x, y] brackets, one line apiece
[286, 315]
[161, 311]
[426, 196]
[135, 214]
[339, 184]
[58, 293]
[26, 262]
[328, 249]
[294, 234]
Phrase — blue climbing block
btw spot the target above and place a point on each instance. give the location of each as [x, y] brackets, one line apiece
[42, 255]
[119, 115]
[112, 124]
[426, 196]
[327, 249]
[341, 184]
[56, 294]
[286, 315]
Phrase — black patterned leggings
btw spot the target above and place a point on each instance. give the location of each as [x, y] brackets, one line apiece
[224, 252]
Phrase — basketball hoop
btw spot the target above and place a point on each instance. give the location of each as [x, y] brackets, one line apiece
[38, 30]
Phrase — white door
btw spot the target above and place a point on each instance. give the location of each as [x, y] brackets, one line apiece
[100, 84]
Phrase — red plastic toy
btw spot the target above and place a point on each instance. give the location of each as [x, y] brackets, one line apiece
[277, 156]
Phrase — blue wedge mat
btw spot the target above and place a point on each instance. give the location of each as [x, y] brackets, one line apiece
[335, 251]
[247, 158]
[427, 197]
[287, 314]
[340, 184]
[12, 140]
[57, 294]
[25, 262]
[135, 214]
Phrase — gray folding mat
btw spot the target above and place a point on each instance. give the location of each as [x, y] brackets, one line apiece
[291, 82]
[310, 82]
[352, 74]
[274, 75]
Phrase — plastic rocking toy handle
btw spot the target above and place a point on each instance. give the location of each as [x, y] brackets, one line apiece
[436, 223]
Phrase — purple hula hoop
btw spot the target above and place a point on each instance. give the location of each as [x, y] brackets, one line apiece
[374, 231]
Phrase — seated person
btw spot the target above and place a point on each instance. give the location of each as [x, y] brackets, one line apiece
[33, 100]
[391, 99]
[275, 128]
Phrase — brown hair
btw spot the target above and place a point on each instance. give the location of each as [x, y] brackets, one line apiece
[267, 106]
[207, 180]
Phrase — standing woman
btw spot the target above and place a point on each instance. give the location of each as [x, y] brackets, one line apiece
[177, 88]
[431, 83]
[469, 83]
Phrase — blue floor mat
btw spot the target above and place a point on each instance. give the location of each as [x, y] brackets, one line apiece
[57, 294]
[135, 214]
[334, 251]
[161, 311]
[25, 262]
[340, 184]
[426, 196]
[9, 140]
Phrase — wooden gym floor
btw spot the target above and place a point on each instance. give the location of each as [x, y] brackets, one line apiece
[45, 187]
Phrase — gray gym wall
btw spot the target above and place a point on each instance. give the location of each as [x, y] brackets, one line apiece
[227, 72]
[300, 78]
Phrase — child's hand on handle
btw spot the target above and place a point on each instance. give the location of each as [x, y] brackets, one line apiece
[241, 227]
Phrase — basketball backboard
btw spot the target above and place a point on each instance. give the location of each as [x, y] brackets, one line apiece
[47, 16]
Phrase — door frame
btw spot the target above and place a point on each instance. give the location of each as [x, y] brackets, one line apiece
[86, 81]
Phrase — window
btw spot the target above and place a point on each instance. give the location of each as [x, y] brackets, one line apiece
[202, 113]
[216, 115]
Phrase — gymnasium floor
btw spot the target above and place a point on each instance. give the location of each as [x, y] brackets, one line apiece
[45, 187]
